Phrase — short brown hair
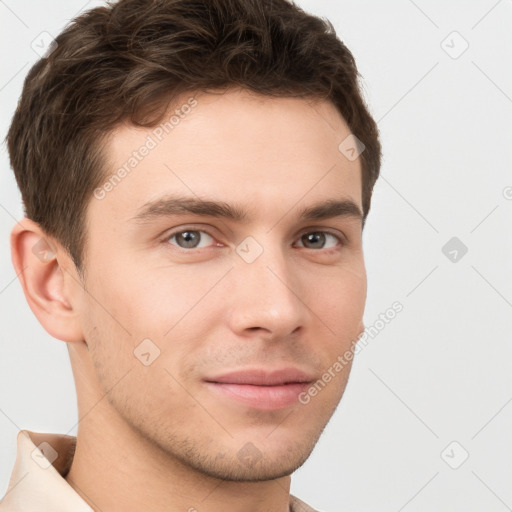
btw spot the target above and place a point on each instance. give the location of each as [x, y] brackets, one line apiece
[129, 60]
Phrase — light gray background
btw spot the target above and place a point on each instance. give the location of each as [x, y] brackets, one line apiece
[441, 370]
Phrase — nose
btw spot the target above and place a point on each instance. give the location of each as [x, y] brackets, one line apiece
[268, 301]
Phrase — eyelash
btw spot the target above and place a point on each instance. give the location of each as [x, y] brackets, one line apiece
[342, 241]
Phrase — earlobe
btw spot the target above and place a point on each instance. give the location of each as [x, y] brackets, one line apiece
[37, 260]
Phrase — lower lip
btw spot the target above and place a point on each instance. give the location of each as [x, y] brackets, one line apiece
[267, 398]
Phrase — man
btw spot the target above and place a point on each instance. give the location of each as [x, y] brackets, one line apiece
[196, 176]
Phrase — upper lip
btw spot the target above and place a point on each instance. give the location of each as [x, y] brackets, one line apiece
[262, 377]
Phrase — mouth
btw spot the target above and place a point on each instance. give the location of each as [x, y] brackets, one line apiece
[262, 389]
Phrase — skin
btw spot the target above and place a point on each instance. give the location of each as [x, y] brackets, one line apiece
[156, 437]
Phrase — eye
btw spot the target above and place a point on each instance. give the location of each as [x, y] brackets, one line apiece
[199, 239]
[317, 240]
[190, 238]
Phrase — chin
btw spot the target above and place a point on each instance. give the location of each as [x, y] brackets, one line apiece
[252, 462]
[259, 471]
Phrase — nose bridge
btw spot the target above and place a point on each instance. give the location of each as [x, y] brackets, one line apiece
[266, 294]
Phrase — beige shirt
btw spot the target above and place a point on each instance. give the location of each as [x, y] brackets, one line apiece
[37, 482]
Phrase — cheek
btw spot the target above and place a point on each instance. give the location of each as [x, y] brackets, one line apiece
[128, 303]
[340, 299]
[157, 291]
[171, 308]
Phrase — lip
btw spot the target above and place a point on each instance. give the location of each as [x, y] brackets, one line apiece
[260, 388]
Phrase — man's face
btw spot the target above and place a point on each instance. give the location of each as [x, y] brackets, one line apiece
[212, 295]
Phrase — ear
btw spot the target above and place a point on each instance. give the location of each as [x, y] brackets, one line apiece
[43, 267]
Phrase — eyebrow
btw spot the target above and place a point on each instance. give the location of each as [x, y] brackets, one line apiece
[181, 205]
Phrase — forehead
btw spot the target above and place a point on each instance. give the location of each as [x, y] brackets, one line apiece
[268, 153]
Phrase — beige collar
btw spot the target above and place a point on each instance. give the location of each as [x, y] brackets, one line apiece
[38, 485]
